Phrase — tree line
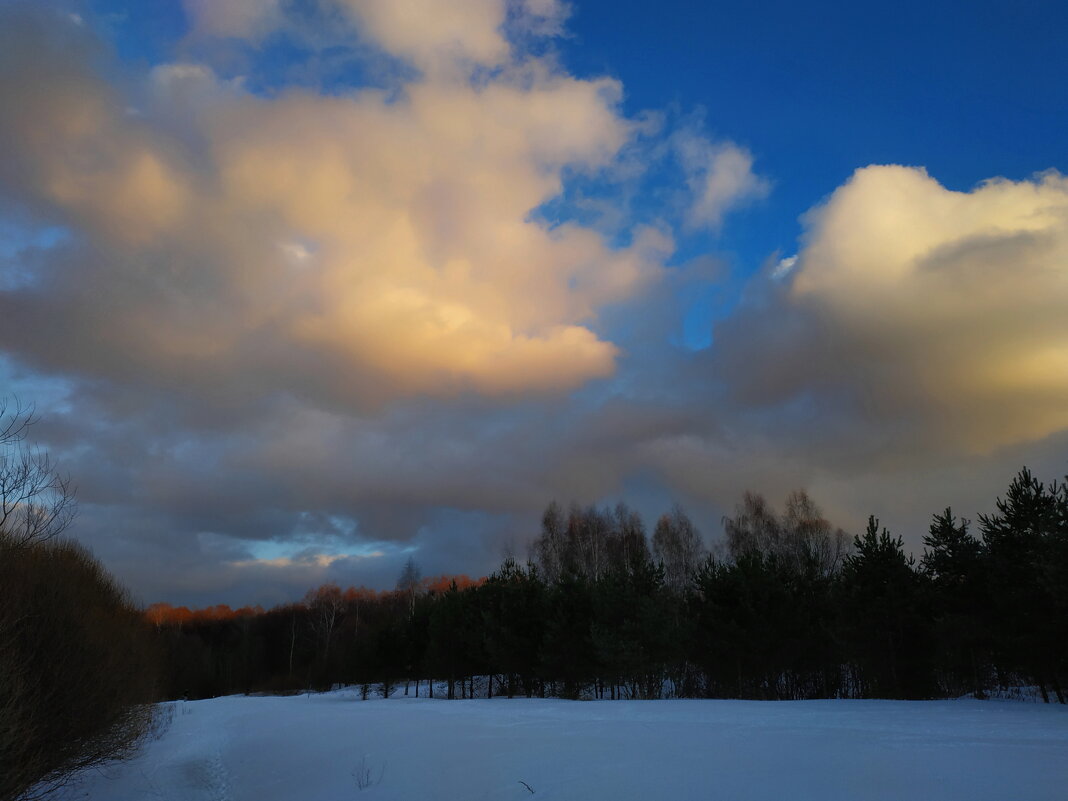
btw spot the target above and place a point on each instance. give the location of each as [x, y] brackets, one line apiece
[785, 607]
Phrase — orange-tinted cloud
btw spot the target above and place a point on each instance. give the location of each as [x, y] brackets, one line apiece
[945, 307]
[382, 243]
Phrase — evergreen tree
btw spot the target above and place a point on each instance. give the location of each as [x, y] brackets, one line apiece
[448, 647]
[1023, 541]
[567, 651]
[955, 563]
[885, 618]
[633, 631]
[514, 618]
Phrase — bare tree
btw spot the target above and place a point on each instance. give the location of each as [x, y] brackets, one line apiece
[548, 550]
[326, 604]
[810, 537]
[801, 539]
[409, 583]
[15, 419]
[626, 542]
[677, 546]
[588, 531]
[754, 529]
[37, 502]
[588, 542]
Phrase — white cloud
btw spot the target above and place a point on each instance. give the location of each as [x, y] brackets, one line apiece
[543, 17]
[296, 252]
[784, 267]
[434, 35]
[166, 73]
[930, 317]
[429, 276]
[720, 177]
[243, 19]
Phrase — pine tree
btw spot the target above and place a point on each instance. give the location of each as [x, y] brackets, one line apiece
[514, 617]
[886, 617]
[1023, 540]
[955, 563]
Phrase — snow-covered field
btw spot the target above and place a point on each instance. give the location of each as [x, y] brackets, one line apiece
[332, 747]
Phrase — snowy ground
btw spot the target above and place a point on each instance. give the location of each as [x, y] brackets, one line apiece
[324, 747]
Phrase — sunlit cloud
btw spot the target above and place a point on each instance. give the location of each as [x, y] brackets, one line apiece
[936, 314]
[429, 276]
[720, 176]
[783, 267]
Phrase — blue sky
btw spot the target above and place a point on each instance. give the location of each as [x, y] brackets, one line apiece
[421, 268]
[969, 90]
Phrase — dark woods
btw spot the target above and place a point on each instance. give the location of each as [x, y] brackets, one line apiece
[790, 608]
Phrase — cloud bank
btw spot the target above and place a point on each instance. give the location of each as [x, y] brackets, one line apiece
[933, 316]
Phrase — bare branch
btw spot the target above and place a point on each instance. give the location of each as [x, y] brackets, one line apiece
[37, 501]
[15, 420]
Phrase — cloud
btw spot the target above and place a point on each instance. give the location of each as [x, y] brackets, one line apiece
[410, 316]
[783, 267]
[435, 36]
[432, 36]
[543, 17]
[428, 276]
[336, 304]
[928, 318]
[720, 177]
[244, 19]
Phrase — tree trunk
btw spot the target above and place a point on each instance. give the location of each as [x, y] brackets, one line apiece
[1057, 687]
[292, 642]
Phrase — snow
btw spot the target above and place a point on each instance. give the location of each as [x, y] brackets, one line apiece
[333, 746]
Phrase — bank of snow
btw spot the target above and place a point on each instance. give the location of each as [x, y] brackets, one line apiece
[332, 747]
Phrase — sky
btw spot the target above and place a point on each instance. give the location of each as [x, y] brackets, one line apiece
[301, 289]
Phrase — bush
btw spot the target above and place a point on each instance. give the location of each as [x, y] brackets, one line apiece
[77, 671]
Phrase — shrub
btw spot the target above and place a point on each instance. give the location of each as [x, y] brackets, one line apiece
[77, 670]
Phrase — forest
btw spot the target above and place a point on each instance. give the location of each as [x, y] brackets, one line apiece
[785, 607]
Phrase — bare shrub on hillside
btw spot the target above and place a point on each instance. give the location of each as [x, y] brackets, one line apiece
[77, 674]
